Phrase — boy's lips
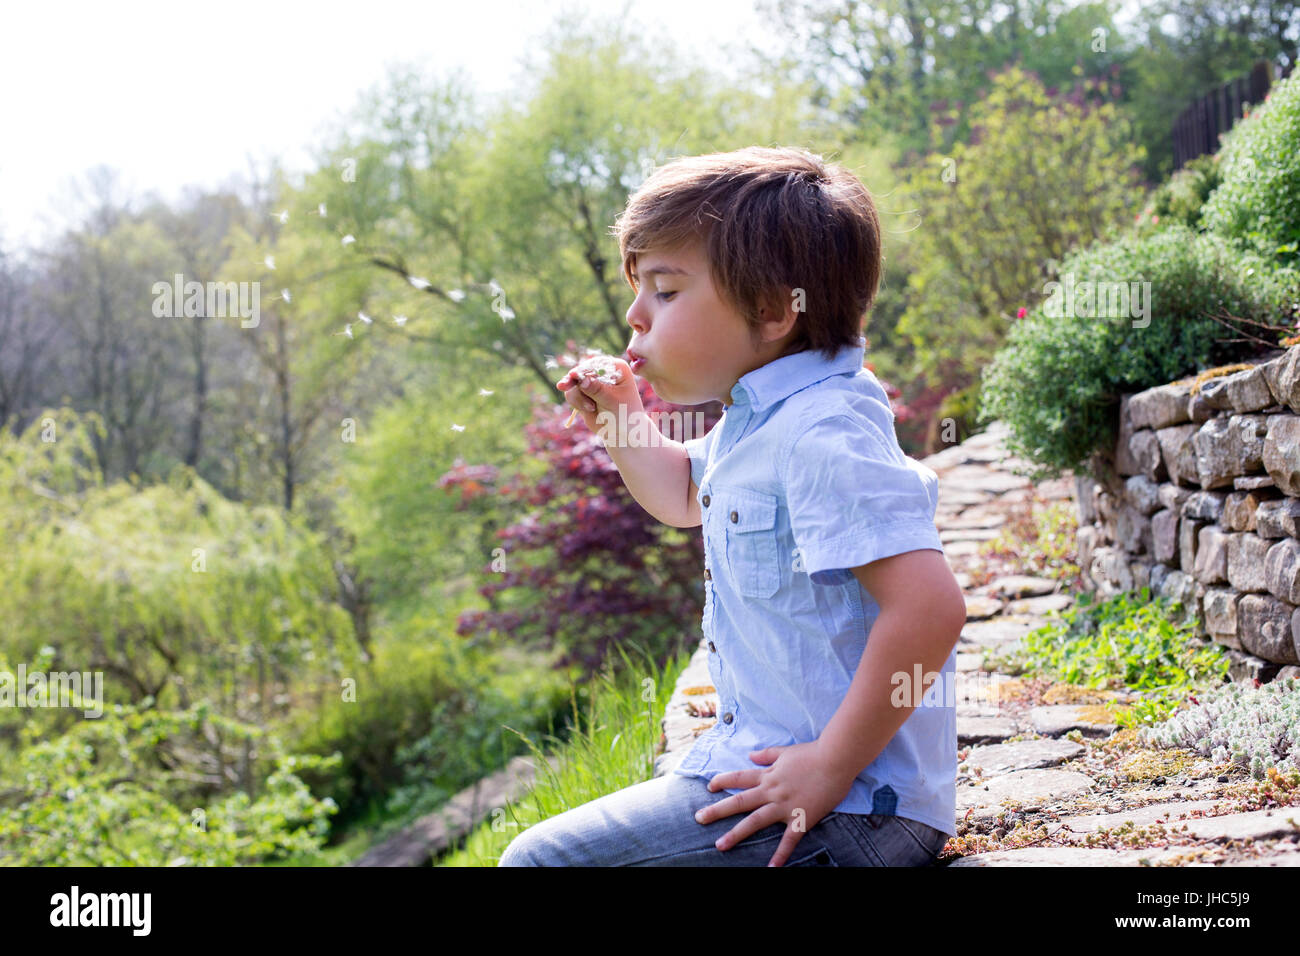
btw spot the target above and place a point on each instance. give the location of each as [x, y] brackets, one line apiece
[634, 360]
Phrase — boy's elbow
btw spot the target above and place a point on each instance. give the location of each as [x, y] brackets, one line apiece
[958, 620]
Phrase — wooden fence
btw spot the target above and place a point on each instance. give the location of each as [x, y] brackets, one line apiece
[1197, 129]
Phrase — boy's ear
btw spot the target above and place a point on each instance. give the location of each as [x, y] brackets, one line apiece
[780, 316]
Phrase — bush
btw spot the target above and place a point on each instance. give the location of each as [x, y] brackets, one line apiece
[1181, 198]
[583, 566]
[1058, 382]
[106, 794]
[423, 721]
[1259, 198]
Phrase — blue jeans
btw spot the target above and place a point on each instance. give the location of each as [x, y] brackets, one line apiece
[653, 824]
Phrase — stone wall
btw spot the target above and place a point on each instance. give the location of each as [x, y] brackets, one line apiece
[1201, 501]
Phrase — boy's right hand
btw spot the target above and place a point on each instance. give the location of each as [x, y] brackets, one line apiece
[590, 396]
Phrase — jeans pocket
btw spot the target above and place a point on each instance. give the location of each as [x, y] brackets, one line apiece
[819, 857]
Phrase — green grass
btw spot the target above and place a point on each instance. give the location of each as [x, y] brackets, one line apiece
[1127, 641]
[612, 747]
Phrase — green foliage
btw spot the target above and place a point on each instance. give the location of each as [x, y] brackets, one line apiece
[1057, 383]
[1042, 176]
[176, 593]
[1181, 198]
[206, 621]
[614, 748]
[962, 406]
[1181, 50]
[97, 796]
[422, 721]
[1259, 197]
[905, 61]
[410, 535]
[1125, 641]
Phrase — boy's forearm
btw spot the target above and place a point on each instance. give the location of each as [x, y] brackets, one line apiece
[656, 472]
[870, 714]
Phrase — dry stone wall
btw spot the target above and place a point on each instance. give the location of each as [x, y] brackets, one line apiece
[1201, 502]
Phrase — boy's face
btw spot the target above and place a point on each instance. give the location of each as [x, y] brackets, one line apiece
[695, 346]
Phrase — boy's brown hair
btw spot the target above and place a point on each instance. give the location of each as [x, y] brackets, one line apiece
[771, 220]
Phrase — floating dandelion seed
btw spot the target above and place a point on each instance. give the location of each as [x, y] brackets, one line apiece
[399, 319]
[418, 282]
[284, 294]
[496, 289]
[506, 313]
[364, 318]
[270, 262]
[320, 210]
[282, 215]
[349, 238]
[551, 363]
[458, 428]
[485, 391]
[347, 330]
[456, 295]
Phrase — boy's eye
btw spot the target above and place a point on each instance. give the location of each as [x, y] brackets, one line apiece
[664, 295]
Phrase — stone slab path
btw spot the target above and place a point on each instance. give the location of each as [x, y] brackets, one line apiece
[1043, 779]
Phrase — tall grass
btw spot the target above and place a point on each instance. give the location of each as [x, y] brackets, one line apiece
[612, 747]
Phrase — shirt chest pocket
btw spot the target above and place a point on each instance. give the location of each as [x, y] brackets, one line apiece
[753, 558]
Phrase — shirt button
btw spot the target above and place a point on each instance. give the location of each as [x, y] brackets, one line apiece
[712, 648]
[705, 501]
[734, 517]
[727, 718]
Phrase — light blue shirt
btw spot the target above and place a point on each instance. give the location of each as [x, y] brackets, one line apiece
[801, 480]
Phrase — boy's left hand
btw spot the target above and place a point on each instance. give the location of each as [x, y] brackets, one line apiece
[799, 787]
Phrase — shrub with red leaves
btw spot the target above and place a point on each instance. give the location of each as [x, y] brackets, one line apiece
[585, 565]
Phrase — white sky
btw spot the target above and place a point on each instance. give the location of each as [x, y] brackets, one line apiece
[176, 93]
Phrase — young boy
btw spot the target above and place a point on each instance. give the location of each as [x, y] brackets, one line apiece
[829, 605]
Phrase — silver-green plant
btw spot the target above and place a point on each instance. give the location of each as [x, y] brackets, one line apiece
[1250, 727]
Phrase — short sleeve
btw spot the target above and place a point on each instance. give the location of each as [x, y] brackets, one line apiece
[854, 498]
[698, 450]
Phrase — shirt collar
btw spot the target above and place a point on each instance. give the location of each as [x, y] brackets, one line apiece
[781, 378]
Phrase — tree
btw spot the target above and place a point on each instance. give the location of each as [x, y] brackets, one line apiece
[1188, 48]
[883, 67]
[1041, 176]
[24, 341]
